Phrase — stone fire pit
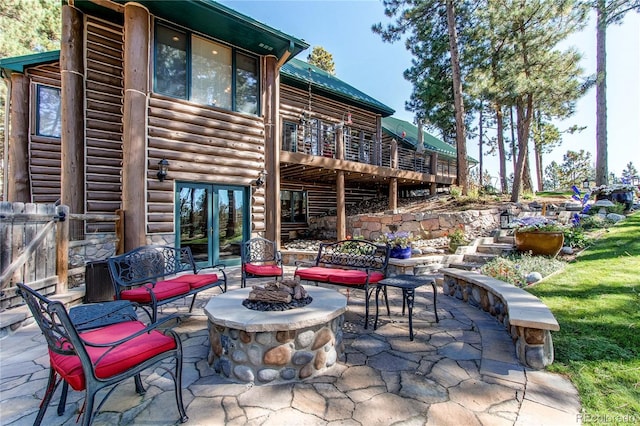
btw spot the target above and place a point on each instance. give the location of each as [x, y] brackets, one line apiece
[265, 347]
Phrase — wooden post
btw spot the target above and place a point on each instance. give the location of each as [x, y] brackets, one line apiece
[120, 231]
[340, 143]
[271, 112]
[134, 129]
[72, 110]
[18, 187]
[433, 187]
[341, 215]
[394, 154]
[393, 194]
[62, 250]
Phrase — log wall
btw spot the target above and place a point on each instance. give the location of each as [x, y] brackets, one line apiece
[104, 93]
[202, 144]
[44, 152]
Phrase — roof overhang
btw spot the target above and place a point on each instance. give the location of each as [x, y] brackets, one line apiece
[19, 63]
[212, 19]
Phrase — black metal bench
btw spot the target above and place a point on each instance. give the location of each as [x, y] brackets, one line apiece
[155, 275]
[357, 264]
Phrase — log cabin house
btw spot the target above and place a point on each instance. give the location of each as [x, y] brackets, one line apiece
[199, 123]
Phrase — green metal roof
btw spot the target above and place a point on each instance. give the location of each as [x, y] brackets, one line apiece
[394, 127]
[215, 20]
[19, 63]
[299, 73]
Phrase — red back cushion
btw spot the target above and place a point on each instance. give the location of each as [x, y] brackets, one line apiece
[263, 270]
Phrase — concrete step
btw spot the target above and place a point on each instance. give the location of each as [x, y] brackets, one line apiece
[505, 239]
[495, 248]
[478, 258]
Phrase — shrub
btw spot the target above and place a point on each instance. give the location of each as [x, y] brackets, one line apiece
[515, 268]
[575, 237]
[455, 191]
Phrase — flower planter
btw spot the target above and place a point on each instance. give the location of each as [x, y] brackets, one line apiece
[618, 196]
[540, 243]
[398, 252]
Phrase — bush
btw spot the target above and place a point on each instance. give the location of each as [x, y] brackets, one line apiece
[575, 237]
[515, 268]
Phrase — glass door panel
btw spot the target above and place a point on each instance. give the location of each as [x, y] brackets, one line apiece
[193, 221]
[231, 220]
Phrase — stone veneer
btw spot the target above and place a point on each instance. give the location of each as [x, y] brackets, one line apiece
[525, 317]
[275, 347]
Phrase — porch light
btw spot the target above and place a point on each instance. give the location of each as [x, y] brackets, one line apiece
[635, 180]
[163, 167]
[505, 219]
[260, 181]
[586, 184]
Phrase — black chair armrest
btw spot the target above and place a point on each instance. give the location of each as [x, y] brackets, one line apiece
[94, 315]
[219, 267]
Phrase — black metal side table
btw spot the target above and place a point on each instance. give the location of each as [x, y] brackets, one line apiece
[408, 284]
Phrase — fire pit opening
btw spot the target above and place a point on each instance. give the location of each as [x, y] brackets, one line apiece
[277, 296]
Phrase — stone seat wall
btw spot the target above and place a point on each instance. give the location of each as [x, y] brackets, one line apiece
[526, 318]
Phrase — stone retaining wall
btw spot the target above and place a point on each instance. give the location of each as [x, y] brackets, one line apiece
[423, 225]
[532, 321]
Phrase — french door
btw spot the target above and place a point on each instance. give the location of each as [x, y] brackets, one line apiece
[213, 220]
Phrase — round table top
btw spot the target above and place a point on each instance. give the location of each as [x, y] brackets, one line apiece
[226, 309]
[408, 281]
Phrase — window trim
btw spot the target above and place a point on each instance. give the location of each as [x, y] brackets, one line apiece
[189, 34]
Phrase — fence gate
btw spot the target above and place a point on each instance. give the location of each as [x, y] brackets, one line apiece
[27, 250]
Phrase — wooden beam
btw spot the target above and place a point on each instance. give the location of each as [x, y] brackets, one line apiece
[72, 107]
[18, 187]
[341, 214]
[393, 194]
[134, 129]
[271, 112]
[109, 5]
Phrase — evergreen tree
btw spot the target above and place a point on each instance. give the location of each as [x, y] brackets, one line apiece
[322, 59]
[629, 172]
[608, 12]
[575, 168]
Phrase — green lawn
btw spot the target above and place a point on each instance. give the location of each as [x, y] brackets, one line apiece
[596, 300]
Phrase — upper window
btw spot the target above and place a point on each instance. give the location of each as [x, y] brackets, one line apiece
[203, 71]
[48, 120]
[290, 136]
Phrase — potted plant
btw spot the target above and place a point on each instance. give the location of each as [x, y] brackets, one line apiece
[621, 193]
[400, 243]
[457, 238]
[538, 235]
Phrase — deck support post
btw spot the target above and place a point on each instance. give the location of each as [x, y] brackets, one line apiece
[134, 129]
[18, 186]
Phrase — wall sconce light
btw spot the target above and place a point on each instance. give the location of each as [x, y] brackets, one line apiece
[586, 184]
[163, 167]
[260, 181]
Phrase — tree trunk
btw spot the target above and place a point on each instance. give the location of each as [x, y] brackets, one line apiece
[602, 168]
[514, 151]
[480, 183]
[501, 153]
[538, 153]
[461, 142]
[523, 116]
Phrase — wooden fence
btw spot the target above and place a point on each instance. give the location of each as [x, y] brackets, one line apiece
[34, 247]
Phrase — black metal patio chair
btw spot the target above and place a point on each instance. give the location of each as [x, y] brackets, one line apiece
[260, 259]
[100, 357]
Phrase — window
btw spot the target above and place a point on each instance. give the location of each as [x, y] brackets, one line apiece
[203, 71]
[293, 206]
[289, 136]
[48, 121]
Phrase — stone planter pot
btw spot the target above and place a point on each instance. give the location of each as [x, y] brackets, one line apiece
[398, 252]
[623, 197]
[540, 243]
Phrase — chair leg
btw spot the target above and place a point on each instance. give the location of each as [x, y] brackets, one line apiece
[51, 388]
[90, 396]
[139, 386]
[63, 398]
[193, 301]
[178, 388]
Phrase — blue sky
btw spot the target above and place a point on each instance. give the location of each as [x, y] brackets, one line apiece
[364, 61]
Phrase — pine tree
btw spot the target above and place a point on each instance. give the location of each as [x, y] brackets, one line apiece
[322, 59]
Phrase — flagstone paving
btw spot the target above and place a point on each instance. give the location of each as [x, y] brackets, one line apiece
[460, 371]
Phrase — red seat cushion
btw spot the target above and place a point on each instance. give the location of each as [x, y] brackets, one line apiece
[354, 277]
[162, 290]
[194, 280]
[315, 273]
[118, 360]
[263, 270]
